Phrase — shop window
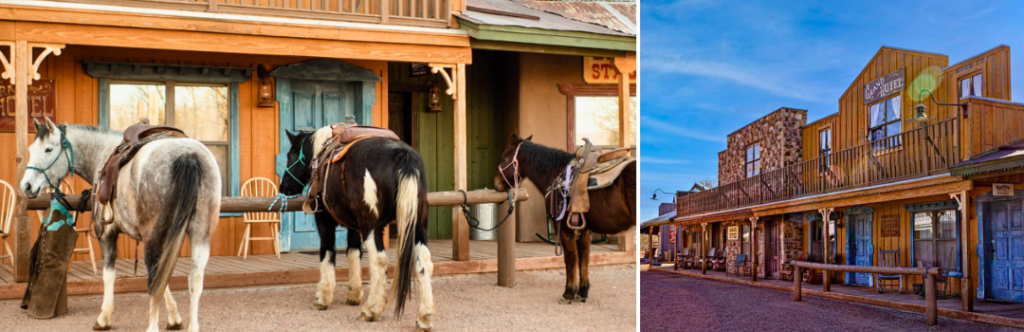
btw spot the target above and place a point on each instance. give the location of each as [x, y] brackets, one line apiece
[816, 239]
[753, 160]
[202, 111]
[745, 240]
[597, 118]
[971, 86]
[825, 147]
[885, 123]
[935, 238]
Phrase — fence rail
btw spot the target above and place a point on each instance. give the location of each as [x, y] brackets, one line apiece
[427, 13]
[918, 152]
[931, 302]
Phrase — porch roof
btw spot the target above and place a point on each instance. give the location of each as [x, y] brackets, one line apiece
[1003, 158]
[659, 220]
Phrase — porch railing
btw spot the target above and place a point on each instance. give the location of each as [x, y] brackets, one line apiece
[926, 150]
[426, 13]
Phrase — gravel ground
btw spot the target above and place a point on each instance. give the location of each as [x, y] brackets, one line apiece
[679, 303]
[463, 303]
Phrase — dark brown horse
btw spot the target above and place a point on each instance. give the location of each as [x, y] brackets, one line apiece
[612, 209]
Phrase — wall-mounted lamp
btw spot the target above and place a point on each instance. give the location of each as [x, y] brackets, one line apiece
[655, 197]
[920, 113]
[434, 97]
[265, 96]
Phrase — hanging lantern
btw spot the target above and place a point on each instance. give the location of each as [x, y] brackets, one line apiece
[434, 101]
[265, 96]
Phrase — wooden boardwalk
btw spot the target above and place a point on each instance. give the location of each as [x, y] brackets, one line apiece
[304, 267]
[1002, 313]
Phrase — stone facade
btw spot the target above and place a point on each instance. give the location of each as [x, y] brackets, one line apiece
[779, 136]
[792, 236]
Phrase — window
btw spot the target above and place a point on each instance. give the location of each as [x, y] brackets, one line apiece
[201, 110]
[935, 239]
[816, 236]
[885, 122]
[597, 119]
[745, 240]
[825, 147]
[971, 86]
[753, 163]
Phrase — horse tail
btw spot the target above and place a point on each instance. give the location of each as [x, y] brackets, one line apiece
[179, 208]
[408, 200]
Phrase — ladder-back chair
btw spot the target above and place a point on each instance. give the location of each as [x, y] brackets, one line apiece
[888, 258]
[7, 195]
[260, 187]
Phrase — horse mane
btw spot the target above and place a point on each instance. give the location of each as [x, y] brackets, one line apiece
[44, 131]
[544, 160]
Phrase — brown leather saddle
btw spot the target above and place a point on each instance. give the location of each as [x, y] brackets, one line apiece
[135, 137]
[343, 138]
[598, 171]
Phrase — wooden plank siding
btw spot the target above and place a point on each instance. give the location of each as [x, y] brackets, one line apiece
[77, 102]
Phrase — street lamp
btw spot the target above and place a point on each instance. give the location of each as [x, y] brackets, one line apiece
[655, 197]
[919, 111]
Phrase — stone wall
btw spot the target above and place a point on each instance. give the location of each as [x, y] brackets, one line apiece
[792, 236]
[779, 136]
[732, 247]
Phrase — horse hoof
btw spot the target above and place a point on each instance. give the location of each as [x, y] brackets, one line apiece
[564, 301]
[173, 327]
[319, 306]
[581, 299]
[425, 323]
[368, 317]
[98, 327]
[354, 302]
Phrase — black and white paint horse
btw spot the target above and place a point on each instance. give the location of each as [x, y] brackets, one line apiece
[169, 189]
[379, 180]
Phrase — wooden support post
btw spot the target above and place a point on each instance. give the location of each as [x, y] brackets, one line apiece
[22, 243]
[507, 252]
[461, 232]
[797, 279]
[826, 214]
[753, 248]
[650, 246]
[966, 296]
[930, 300]
[703, 249]
[625, 66]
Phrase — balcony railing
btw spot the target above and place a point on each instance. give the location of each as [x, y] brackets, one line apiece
[426, 13]
[927, 150]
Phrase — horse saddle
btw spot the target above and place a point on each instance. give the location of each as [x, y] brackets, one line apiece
[135, 137]
[344, 136]
[599, 171]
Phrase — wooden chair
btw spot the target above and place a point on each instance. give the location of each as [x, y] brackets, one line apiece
[708, 259]
[888, 258]
[80, 227]
[260, 187]
[719, 261]
[7, 195]
[741, 265]
[681, 258]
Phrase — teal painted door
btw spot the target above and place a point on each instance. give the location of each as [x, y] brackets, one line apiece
[308, 105]
[862, 249]
[1007, 248]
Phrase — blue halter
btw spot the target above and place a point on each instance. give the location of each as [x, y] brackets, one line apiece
[288, 170]
[55, 205]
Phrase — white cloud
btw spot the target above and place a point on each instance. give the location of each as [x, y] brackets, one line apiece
[664, 161]
[726, 71]
[666, 128]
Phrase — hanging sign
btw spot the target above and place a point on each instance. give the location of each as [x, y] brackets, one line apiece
[734, 232]
[890, 225]
[1002, 189]
[672, 233]
[885, 86]
[42, 102]
[598, 70]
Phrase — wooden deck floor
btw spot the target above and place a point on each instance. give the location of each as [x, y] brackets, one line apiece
[304, 267]
[1011, 314]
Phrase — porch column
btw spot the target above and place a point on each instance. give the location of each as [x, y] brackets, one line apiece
[24, 71]
[826, 214]
[457, 89]
[753, 248]
[966, 296]
[625, 66]
[703, 248]
[650, 246]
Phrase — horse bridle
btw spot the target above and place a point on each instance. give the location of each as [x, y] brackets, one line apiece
[302, 156]
[288, 170]
[514, 184]
[65, 147]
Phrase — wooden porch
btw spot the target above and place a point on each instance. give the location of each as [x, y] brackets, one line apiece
[304, 267]
[1001, 313]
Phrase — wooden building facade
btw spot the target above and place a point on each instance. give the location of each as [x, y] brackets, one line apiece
[899, 172]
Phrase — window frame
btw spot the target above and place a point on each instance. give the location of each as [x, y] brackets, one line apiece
[748, 164]
[876, 144]
[970, 76]
[826, 153]
[936, 208]
[571, 91]
[746, 241]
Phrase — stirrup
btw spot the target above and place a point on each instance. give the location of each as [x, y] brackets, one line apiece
[576, 218]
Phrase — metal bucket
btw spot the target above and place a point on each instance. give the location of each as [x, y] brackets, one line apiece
[487, 214]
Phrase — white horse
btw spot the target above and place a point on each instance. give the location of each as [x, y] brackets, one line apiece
[171, 188]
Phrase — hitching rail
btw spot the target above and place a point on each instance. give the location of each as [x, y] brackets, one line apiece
[506, 231]
[931, 304]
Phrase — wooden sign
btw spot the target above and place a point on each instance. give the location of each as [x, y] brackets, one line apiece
[42, 102]
[672, 233]
[597, 70]
[885, 86]
[419, 69]
[1002, 189]
[891, 225]
[734, 232]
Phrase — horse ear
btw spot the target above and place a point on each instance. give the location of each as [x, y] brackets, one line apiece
[291, 136]
[513, 140]
[49, 124]
[35, 121]
[530, 138]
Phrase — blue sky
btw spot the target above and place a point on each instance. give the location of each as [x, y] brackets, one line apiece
[708, 68]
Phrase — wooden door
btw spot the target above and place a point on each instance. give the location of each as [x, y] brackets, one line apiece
[1007, 250]
[310, 105]
[861, 247]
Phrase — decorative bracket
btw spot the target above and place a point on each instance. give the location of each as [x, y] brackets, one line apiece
[8, 64]
[753, 221]
[449, 79]
[959, 198]
[47, 49]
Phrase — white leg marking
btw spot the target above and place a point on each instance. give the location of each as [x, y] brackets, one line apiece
[200, 256]
[370, 192]
[424, 269]
[325, 290]
[154, 315]
[355, 276]
[103, 321]
[378, 282]
[173, 318]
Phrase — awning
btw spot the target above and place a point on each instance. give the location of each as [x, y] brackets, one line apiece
[1004, 158]
[658, 221]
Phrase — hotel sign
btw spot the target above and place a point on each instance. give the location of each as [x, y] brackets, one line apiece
[42, 102]
[885, 86]
[734, 232]
[598, 70]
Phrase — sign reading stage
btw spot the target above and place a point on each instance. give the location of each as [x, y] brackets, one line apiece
[734, 232]
[42, 102]
[597, 70]
[885, 86]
